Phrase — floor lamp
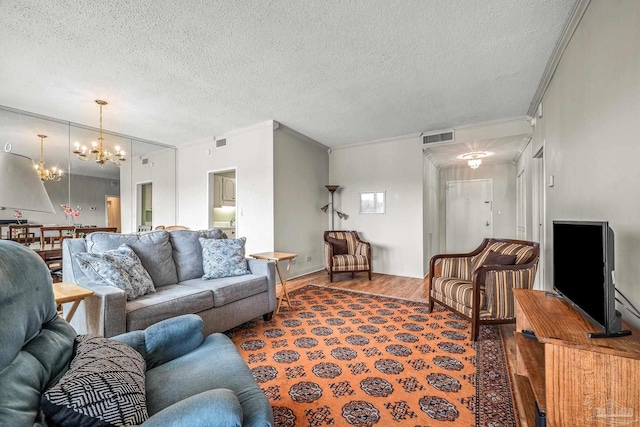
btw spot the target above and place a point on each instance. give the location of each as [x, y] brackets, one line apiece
[332, 189]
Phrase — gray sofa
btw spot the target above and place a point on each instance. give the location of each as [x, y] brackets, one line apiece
[186, 379]
[173, 259]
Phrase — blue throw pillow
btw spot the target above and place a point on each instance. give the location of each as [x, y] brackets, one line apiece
[223, 258]
[120, 268]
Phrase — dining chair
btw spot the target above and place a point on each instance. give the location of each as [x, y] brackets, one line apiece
[176, 227]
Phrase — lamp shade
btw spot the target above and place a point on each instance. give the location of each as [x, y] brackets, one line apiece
[20, 186]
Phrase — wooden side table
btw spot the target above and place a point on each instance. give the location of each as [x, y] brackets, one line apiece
[277, 257]
[64, 292]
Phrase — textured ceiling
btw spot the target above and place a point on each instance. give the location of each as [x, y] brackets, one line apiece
[337, 71]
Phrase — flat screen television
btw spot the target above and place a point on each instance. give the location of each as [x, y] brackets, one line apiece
[583, 265]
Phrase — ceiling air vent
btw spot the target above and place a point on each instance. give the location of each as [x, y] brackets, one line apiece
[438, 137]
[221, 143]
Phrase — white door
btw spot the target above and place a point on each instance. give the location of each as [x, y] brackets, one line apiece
[469, 214]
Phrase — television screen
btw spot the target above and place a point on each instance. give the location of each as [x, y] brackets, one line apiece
[580, 266]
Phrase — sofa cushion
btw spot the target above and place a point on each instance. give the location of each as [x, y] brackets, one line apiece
[105, 385]
[225, 369]
[169, 301]
[120, 268]
[153, 248]
[229, 289]
[187, 252]
[223, 258]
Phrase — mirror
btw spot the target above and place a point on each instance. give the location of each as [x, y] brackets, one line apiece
[103, 193]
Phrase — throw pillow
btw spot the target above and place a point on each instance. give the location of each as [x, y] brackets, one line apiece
[104, 386]
[494, 258]
[223, 258]
[120, 268]
[339, 246]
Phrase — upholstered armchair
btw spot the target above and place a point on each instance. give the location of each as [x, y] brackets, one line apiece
[344, 252]
[479, 285]
[166, 375]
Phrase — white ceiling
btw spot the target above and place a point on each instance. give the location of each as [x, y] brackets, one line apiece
[337, 71]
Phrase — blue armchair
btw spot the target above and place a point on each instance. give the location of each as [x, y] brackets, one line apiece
[189, 379]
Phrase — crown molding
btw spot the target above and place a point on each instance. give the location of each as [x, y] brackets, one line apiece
[578, 12]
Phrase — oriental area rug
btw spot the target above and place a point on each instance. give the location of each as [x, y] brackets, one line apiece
[345, 358]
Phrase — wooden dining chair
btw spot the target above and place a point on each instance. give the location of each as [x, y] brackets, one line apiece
[56, 235]
[176, 227]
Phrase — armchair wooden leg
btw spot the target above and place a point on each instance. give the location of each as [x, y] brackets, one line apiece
[369, 274]
[430, 306]
[330, 276]
[474, 331]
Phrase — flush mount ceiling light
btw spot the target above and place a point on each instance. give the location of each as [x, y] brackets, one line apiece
[474, 159]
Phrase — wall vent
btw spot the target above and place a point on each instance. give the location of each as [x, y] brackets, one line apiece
[221, 143]
[433, 138]
[145, 161]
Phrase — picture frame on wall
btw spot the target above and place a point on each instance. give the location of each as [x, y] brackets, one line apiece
[372, 202]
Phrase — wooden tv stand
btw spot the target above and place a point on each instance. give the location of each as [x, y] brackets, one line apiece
[575, 380]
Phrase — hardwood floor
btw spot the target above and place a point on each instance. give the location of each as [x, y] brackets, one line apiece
[415, 289]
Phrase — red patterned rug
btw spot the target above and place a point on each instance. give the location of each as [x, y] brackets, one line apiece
[345, 358]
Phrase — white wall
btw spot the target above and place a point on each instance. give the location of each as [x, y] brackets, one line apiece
[160, 170]
[504, 195]
[590, 134]
[431, 217]
[525, 166]
[248, 151]
[300, 174]
[396, 167]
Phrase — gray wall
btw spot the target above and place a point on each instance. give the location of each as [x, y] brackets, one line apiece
[590, 135]
[301, 171]
[86, 192]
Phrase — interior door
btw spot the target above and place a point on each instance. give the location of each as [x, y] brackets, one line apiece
[113, 212]
[469, 214]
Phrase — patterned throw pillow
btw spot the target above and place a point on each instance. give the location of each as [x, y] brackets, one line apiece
[104, 386]
[223, 258]
[120, 268]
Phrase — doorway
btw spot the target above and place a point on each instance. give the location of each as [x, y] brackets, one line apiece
[538, 214]
[521, 202]
[113, 212]
[144, 211]
[469, 214]
[222, 201]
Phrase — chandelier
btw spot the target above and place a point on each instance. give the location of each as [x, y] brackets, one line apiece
[97, 152]
[54, 174]
[474, 159]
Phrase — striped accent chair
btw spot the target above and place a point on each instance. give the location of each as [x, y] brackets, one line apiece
[483, 293]
[356, 258]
